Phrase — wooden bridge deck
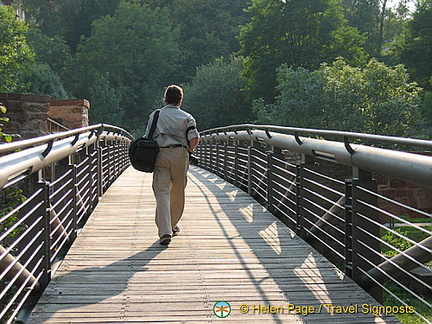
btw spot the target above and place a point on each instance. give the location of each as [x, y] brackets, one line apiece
[229, 249]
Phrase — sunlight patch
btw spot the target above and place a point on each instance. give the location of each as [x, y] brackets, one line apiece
[221, 186]
[247, 212]
[271, 236]
[232, 195]
[311, 276]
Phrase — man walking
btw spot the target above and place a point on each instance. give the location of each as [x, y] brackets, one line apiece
[176, 135]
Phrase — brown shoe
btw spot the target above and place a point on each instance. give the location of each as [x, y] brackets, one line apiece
[165, 240]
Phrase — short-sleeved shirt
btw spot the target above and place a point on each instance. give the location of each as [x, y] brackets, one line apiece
[172, 125]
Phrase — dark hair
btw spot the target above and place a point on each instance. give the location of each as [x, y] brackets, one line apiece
[173, 94]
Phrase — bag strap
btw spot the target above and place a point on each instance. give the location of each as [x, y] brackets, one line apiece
[154, 122]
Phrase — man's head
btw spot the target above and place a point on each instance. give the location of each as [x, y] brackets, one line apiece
[173, 95]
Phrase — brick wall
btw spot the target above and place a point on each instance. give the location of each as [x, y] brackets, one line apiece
[407, 193]
[70, 113]
[27, 114]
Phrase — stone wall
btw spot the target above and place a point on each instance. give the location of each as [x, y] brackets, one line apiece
[407, 193]
[70, 113]
[27, 114]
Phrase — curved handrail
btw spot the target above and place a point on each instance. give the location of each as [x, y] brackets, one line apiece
[74, 169]
[406, 166]
[345, 213]
[37, 153]
[22, 144]
[323, 132]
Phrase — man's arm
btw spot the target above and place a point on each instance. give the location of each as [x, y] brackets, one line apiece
[192, 144]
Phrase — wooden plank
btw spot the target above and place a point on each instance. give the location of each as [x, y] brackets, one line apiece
[229, 248]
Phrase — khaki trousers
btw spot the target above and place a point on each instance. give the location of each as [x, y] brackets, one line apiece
[169, 183]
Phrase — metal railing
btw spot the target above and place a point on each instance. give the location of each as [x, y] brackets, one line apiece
[330, 192]
[49, 186]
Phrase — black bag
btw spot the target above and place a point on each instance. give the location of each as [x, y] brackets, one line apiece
[143, 151]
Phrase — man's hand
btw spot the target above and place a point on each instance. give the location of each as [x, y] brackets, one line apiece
[192, 144]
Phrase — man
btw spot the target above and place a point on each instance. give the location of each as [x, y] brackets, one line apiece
[176, 135]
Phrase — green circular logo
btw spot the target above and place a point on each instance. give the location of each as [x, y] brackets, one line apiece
[222, 309]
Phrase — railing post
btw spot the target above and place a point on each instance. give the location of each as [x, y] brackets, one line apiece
[300, 194]
[225, 160]
[363, 246]
[99, 168]
[212, 157]
[252, 145]
[64, 166]
[236, 164]
[94, 166]
[44, 210]
[348, 227]
[275, 152]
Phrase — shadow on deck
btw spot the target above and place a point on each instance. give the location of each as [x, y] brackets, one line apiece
[229, 249]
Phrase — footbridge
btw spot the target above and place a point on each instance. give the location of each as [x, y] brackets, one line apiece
[281, 225]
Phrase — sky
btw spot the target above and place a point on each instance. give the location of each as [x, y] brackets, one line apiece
[393, 3]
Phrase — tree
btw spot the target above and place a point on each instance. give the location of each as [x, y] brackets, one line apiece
[296, 32]
[14, 51]
[137, 49]
[67, 19]
[416, 53]
[364, 16]
[53, 51]
[215, 97]
[374, 99]
[39, 78]
[208, 29]
[106, 103]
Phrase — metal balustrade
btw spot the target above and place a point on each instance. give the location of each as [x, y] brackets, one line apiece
[324, 187]
[49, 186]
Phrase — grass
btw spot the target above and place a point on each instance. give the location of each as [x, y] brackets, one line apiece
[403, 244]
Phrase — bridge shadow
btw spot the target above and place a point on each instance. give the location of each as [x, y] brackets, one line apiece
[307, 280]
[304, 277]
[103, 285]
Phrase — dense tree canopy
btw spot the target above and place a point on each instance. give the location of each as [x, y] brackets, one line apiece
[296, 32]
[137, 51]
[220, 102]
[376, 99]
[284, 58]
[417, 50]
[14, 51]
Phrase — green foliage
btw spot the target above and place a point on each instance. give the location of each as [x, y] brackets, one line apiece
[67, 19]
[215, 95]
[298, 33]
[14, 51]
[137, 49]
[105, 108]
[119, 54]
[396, 242]
[3, 136]
[10, 199]
[364, 16]
[300, 102]
[208, 29]
[375, 99]
[53, 51]
[39, 78]
[416, 53]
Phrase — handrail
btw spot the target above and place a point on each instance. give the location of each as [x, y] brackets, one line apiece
[406, 166]
[62, 177]
[323, 132]
[22, 144]
[326, 191]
